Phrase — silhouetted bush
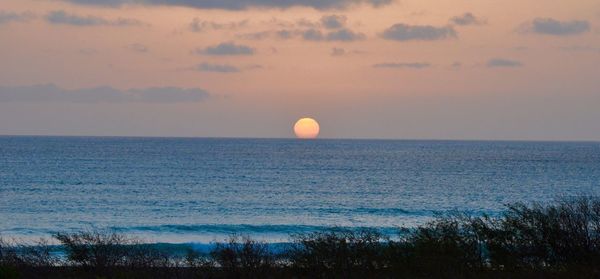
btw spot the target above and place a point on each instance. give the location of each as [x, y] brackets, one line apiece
[555, 236]
[557, 240]
[95, 249]
[111, 254]
[338, 253]
[20, 260]
[447, 247]
[243, 257]
[7, 253]
[202, 266]
[8, 260]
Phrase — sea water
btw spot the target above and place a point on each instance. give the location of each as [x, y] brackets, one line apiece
[179, 190]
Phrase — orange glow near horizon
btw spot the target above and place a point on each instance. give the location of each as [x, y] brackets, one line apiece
[306, 128]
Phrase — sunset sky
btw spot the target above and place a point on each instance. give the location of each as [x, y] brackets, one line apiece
[405, 69]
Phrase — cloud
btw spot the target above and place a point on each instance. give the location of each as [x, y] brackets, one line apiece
[103, 94]
[217, 68]
[333, 21]
[227, 48]
[413, 65]
[503, 63]
[238, 4]
[283, 23]
[405, 32]
[549, 26]
[336, 51]
[303, 22]
[126, 22]
[198, 25]
[345, 35]
[255, 35]
[329, 28]
[285, 34]
[8, 17]
[467, 19]
[312, 35]
[62, 17]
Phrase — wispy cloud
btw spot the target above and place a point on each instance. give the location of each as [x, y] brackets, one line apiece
[503, 63]
[467, 19]
[344, 35]
[413, 65]
[260, 35]
[198, 25]
[333, 21]
[313, 35]
[550, 26]
[283, 34]
[62, 17]
[227, 48]
[238, 4]
[405, 32]
[328, 28]
[217, 68]
[338, 51]
[103, 94]
[8, 17]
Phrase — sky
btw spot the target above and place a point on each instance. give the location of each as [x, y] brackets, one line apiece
[398, 69]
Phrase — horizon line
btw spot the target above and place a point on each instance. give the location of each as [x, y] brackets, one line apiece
[294, 138]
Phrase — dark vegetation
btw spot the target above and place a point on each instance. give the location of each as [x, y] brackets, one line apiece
[558, 240]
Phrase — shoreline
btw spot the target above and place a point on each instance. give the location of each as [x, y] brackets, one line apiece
[210, 236]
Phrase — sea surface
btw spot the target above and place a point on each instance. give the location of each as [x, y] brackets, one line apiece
[183, 190]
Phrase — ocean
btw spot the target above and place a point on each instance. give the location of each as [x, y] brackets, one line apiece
[199, 190]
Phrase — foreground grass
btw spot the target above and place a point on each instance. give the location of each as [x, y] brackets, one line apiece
[558, 240]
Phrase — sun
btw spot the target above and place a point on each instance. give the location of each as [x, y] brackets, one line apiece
[306, 128]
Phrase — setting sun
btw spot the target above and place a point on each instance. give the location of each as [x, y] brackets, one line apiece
[306, 128]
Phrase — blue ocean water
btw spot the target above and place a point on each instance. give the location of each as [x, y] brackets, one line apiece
[199, 190]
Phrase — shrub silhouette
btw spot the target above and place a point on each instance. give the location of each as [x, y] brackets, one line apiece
[243, 257]
[338, 253]
[558, 236]
[447, 247]
[8, 260]
[18, 260]
[95, 249]
[556, 240]
[7, 253]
